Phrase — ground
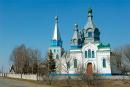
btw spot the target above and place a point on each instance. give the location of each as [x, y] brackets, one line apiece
[116, 83]
[6, 82]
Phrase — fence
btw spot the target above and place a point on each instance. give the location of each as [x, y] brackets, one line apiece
[35, 77]
[20, 76]
[23, 76]
[120, 77]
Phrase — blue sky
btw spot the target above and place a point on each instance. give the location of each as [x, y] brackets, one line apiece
[32, 22]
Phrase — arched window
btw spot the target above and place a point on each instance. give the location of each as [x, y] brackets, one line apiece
[54, 50]
[89, 53]
[57, 56]
[93, 54]
[68, 65]
[86, 54]
[104, 63]
[75, 63]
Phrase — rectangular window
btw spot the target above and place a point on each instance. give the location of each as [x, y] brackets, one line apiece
[75, 63]
[86, 54]
[93, 54]
[89, 34]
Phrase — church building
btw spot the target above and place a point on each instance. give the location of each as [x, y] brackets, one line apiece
[87, 53]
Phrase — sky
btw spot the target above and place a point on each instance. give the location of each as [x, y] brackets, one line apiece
[31, 22]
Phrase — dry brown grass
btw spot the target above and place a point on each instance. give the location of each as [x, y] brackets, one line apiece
[80, 83]
[92, 83]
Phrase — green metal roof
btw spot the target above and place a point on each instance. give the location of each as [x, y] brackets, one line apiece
[103, 45]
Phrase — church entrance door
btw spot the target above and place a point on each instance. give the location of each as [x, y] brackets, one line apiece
[89, 69]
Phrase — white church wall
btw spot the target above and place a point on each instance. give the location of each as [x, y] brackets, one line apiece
[104, 54]
[55, 51]
[97, 61]
[89, 46]
[94, 48]
[74, 54]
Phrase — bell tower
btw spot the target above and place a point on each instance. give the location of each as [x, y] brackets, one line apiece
[56, 42]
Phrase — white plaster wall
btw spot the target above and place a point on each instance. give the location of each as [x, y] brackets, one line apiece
[74, 54]
[103, 54]
[24, 76]
[94, 48]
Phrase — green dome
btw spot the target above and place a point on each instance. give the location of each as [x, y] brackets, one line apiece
[90, 10]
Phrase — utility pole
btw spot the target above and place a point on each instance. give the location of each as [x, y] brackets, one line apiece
[22, 68]
[37, 68]
[2, 70]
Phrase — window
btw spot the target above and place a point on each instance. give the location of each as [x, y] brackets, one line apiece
[50, 51]
[54, 50]
[74, 41]
[93, 55]
[57, 56]
[89, 53]
[104, 63]
[89, 34]
[86, 54]
[75, 63]
[68, 65]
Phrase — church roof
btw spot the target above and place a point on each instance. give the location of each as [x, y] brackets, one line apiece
[101, 45]
[90, 23]
[56, 34]
[76, 33]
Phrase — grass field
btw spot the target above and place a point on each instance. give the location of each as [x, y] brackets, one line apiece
[93, 83]
[70, 83]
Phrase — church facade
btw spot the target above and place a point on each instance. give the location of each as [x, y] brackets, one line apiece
[87, 54]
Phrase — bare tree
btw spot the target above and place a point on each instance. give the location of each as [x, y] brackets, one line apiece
[66, 66]
[120, 57]
[116, 59]
[43, 70]
[18, 58]
[127, 51]
[25, 60]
